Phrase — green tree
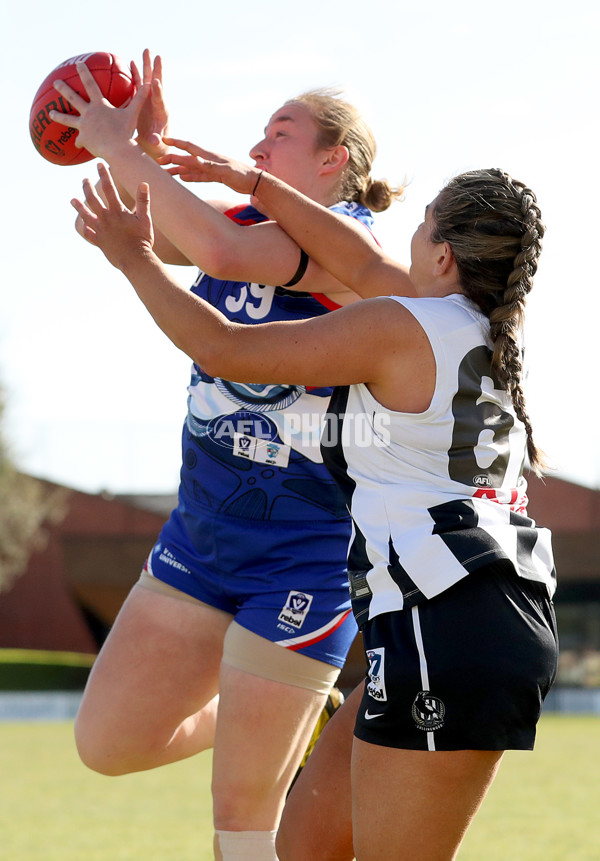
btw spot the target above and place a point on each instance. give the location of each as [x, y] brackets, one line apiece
[28, 507]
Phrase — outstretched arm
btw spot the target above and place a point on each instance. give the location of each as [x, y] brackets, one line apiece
[194, 164]
[153, 118]
[334, 349]
[261, 253]
[336, 243]
[152, 124]
[203, 235]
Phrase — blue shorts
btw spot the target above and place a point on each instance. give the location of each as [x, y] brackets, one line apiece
[285, 581]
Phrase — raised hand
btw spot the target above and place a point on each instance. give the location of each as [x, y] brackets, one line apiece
[153, 118]
[201, 165]
[122, 234]
[101, 127]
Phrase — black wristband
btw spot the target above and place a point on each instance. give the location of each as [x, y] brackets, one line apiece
[256, 183]
[300, 270]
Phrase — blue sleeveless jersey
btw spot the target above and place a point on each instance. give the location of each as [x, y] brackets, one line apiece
[252, 450]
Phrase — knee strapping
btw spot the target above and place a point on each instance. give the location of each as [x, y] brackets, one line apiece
[247, 845]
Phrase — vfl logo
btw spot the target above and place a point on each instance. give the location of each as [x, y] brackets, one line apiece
[296, 609]
[376, 682]
[428, 711]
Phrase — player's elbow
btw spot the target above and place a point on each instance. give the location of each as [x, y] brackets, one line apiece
[213, 361]
[213, 355]
[213, 343]
[222, 262]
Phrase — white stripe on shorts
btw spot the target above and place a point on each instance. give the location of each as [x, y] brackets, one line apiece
[422, 664]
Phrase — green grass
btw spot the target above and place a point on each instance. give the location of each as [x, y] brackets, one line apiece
[34, 670]
[543, 806]
[52, 807]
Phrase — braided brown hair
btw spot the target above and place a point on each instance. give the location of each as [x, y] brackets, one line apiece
[340, 123]
[494, 228]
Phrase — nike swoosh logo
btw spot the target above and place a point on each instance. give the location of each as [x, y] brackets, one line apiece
[370, 717]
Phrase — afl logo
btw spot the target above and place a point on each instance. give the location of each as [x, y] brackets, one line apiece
[249, 425]
[482, 481]
[428, 711]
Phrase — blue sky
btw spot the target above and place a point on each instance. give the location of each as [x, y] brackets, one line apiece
[96, 394]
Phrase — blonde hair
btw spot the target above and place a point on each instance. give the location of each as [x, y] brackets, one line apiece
[494, 227]
[340, 123]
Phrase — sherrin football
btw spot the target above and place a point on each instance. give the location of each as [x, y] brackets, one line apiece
[56, 142]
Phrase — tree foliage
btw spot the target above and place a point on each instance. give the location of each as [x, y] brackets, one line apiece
[28, 507]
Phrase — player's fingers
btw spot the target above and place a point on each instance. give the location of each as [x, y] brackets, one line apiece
[108, 188]
[192, 169]
[93, 200]
[135, 75]
[186, 146]
[157, 71]
[88, 81]
[135, 105]
[70, 120]
[194, 149]
[142, 201]
[88, 233]
[73, 98]
[147, 66]
[82, 209]
[182, 160]
[204, 172]
[160, 114]
[158, 96]
[87, 219]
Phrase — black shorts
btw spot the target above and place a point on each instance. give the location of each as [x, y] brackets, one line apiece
[466, 670]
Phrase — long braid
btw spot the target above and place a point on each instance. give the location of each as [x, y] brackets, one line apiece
[494, 227]
[507, 319]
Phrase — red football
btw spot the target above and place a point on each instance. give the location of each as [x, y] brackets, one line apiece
[56, 142]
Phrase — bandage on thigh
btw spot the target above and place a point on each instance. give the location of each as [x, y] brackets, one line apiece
[247, 651]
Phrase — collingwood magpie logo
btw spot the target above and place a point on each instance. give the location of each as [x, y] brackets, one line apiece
[428, 711]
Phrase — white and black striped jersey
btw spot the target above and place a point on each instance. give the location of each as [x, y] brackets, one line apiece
[435, 495]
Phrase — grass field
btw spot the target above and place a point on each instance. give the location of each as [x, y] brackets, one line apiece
[543, 806]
